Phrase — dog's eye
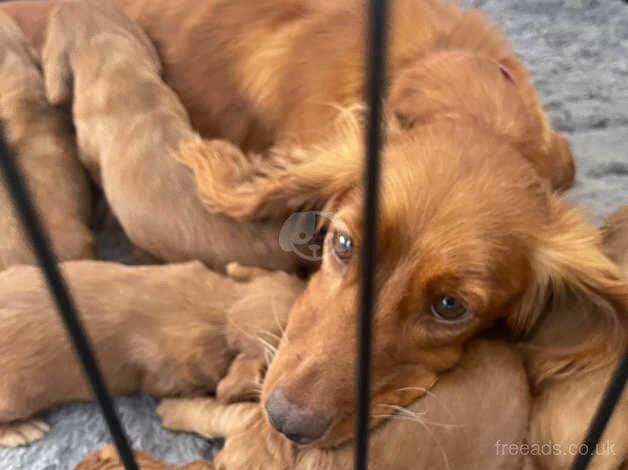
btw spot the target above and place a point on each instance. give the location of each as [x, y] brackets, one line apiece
[448, 308]
[341, 246]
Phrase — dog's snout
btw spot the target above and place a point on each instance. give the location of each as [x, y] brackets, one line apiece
[298, 424]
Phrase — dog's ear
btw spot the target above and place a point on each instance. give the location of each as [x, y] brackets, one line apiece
[254, 187]
[575, 310]
[563, 165]
[615, 233]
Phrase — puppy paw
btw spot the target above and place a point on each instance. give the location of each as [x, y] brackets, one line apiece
[184, 414]
[107, 458]
[243, 382]
[18, 60]
[72, 25]
[206, 416]
[22, 433]
[243, 273]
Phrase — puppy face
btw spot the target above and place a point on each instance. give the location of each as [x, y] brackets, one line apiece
[455, 213]
[468, 232]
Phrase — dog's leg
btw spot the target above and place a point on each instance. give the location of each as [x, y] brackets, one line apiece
[107, 458]
[130, 127]
[206, 416]
[243, 273]
[44, 149]
[243, 382]
[31, 17]
[250, 442]
[22, 432]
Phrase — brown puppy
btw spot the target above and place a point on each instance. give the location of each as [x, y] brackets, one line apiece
[293, 66]
[44, 147]
[565, 403]
[260, 94]
[444, 429]
[162, 330]
[128, 127]
[469, 230]
[561, 411]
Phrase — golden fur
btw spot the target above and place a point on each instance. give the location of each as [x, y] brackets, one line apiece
[615, 233]
[491, 377]
[128, 125]
[437, 431]
[44, 149]
[162, 330]
[565, 402]
[263, 100]
[467, 207]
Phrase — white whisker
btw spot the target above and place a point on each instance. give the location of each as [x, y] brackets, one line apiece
[432, 395]
[267, 345]
[282, 330]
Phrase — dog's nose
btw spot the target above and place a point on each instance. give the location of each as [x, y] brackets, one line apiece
[299, 425]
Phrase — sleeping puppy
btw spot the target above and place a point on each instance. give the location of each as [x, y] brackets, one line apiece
[162, 330]
[128, 127]
[44, 147]
[281, 69]
[282, 74]
[470, 231]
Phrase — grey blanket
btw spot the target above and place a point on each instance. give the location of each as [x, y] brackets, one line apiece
[577, 51]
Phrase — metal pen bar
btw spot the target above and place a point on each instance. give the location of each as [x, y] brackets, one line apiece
[32, 226]
[377, 25]
[603, 415]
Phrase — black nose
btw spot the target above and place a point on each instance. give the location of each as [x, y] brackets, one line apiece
[299, 425]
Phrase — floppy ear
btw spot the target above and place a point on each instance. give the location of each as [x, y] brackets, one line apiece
[575, 311]
[254, 187]
[615, 233]
[563, 165]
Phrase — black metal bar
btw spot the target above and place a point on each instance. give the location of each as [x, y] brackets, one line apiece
[33, 229]
[377, 24]
[602, 416]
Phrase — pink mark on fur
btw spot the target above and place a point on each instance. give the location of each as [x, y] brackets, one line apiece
[506, 72]
[456, 55]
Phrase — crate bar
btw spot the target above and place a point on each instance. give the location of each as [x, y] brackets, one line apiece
[603, 415]
[65, 305]
[376, 42]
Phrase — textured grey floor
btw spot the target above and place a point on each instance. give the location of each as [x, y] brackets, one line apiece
[577, 51]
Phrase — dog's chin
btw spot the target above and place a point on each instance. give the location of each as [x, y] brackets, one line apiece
[342, 433]
[342, 429]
